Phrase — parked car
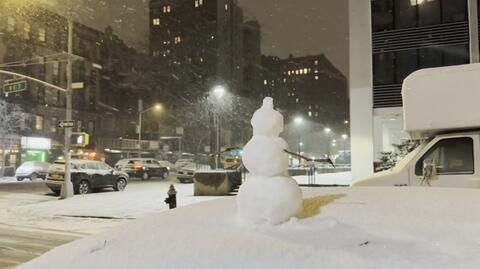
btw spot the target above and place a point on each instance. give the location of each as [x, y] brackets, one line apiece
[143, 168]
[32, 170]
[170, 166]
[184, 162]
[186, 173]
[86, 176]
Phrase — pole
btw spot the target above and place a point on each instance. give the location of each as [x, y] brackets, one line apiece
[299, 149]
[139, 134]
[67, 187]
[140, 110]
[217, 118]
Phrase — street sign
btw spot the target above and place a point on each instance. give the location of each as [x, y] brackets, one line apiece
[17, 86]
[66, 123]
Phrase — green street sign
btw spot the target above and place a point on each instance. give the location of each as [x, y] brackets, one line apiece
[17, 86]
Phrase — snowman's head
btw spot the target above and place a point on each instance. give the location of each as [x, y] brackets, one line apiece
[267, 121]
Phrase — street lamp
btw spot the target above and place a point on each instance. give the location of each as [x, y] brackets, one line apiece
[156, 107]
[218, 91]
[328, 131]
[344, 138]
[299, 121]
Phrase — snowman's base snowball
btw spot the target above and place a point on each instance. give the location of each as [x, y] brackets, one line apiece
[269, 200]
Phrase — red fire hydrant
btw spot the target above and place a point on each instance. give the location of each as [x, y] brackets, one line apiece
[172, 197]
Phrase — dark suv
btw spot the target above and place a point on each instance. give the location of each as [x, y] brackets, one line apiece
[143, 168]
[86, 176]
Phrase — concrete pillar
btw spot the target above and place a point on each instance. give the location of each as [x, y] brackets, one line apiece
[361, 89]
[473, 23]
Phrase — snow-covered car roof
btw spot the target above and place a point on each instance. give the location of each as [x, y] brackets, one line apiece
[77, 161]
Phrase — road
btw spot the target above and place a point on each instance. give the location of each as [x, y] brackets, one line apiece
[22, 241]
[21, 244]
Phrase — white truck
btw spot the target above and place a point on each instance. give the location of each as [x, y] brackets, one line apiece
[442, 107]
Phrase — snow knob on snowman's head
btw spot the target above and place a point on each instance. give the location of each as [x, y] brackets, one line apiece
[266, 121]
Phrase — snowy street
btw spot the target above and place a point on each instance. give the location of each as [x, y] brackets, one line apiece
[32, 221]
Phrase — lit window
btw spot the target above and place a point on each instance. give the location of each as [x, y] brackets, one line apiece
[39, 123]
[265, 82]
[177, 40]
[305, 71]
[26, 30]
[284, 80]
[316, 62]
[169, 9]
[309, 113]
[226, 6]
[201, 60]
[156, 53]
[197, 4]
[316, 114]
[316, 77]
[53, 125]
[200, 2]
[156, 21]
[301, 71]
[42, 35]
[289, 73]
[10, 24]
[316, 71]
[297, 100]
[296, 72]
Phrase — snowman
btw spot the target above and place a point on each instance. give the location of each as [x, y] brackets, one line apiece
[269, 196]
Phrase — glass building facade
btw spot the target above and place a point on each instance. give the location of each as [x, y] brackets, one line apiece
[408, 35]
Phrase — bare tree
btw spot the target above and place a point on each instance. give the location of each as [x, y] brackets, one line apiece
[10, 116]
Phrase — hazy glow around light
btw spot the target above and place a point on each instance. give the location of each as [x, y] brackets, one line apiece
[327, 130]
[219, 91]
[298, 120]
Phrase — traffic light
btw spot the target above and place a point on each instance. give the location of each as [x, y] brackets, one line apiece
[80, 140]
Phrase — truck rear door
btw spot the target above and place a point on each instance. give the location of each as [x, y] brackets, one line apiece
[456, 158]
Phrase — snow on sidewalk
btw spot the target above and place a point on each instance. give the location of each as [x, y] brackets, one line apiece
[363, 228]
[93, 212]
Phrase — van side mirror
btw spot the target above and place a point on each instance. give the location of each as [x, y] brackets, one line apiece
[429, 172]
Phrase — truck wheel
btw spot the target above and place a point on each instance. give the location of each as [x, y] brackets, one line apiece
[120, 185]
[19, 178]
[83, 187]
[145, 176]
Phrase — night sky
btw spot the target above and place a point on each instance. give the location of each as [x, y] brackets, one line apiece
[300, 28]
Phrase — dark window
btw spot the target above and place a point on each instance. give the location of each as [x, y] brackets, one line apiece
[405, 14]
[429, 57]
[92, 166]
[382, 15]
[406, 63]
[454, 11]
[455, 55]
[383, 68]
[451, 156]
[429, 12]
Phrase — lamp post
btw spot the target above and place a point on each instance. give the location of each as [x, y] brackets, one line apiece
[67, 187]
[299, 122]
[157, 107]
[328, 131]
[344, 139]
[218, 92]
